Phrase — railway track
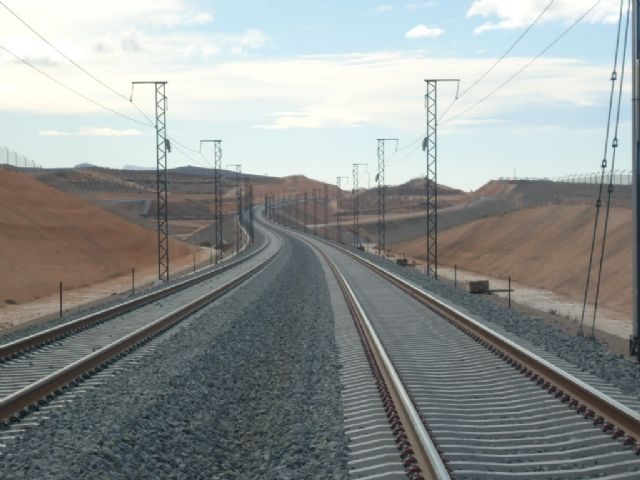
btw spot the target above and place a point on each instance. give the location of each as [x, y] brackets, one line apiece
[474, 404]
[32, 369]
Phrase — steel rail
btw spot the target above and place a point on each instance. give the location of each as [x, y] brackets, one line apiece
[24, 398]
[28, 343]
[617, 418]
[424, 450]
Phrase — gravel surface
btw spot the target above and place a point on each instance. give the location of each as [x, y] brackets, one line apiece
[114, 300]
[261, 370]
[586, 354]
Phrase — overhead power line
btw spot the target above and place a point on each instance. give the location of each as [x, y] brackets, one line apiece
[24, 22]
[73, 90]
[74, 63]
[181, 147]
[497, 62]
[526, 65]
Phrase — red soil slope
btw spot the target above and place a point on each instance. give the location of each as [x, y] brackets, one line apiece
[47, 236]
[545, 247]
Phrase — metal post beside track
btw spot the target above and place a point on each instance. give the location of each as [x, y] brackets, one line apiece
[635, 162]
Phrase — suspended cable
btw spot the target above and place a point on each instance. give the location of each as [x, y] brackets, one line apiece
[525, 66]
[72, 90]
[417, 147]
[173, 140]
[59, 51]
[603, 166]
[74, 63]
[612, 171]
[190, 158]
[497, 62]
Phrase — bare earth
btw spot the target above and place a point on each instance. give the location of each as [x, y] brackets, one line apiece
[48, 236]
[546, 248]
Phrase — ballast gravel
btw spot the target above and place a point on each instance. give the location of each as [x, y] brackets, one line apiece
[249, 390]
[587, 354]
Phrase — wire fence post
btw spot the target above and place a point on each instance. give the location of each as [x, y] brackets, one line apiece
[133, 280]
[194, 263]
[61, 299]
[509, 288]
[455, 275]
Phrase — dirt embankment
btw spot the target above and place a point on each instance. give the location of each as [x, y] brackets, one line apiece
[47, 236]
[545, 247]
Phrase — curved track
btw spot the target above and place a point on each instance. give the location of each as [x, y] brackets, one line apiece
[38, 365]
[493, 409]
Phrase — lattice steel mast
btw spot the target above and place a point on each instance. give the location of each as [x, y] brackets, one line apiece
[250, 211]
[305, 216]
[162, 148]
[382, 231]
[238, 176]
[315, 210]
[326, 211]
[635, 8]
[217, 197]
[430, 146]
[356, 204]
[338, 198]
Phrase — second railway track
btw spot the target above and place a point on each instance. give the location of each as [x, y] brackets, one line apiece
[492, 408]
[38, 365]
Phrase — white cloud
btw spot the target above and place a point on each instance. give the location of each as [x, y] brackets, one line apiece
[420, 6]
[510, 14]
[249, 40]
[178, 19]
[361, 89]
[422, 31]
[92, 132]
[384, 9]
[333, 91]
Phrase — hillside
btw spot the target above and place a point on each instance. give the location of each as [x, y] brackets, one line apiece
[545, 247]
[47, 236]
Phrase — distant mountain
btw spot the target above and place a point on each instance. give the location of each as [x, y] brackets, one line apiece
[86, 165]
[228, 174]
[137, 167]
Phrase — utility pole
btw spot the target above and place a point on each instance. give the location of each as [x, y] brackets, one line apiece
[430, 146]
[326, 211]
[217, 196]
[338, 198]
[382, 232]
[245, 209]
[251, 230]
[163, 146]
[238, 168]
[305, 215]
[315, 211]
[635, 9]
[356, 205]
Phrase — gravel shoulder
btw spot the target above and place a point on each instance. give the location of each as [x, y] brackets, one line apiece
[249, 390]
[587, 355]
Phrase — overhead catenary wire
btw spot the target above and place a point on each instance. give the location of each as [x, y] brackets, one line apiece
[493, 66]
[73, 90]
[74, 63]
[603, 166]
[526, 65]
[149, 122]
[614, 148]
[499, 60]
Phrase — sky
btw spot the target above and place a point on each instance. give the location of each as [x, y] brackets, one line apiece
[308, 87]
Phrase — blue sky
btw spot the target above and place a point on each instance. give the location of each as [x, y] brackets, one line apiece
[306, 87]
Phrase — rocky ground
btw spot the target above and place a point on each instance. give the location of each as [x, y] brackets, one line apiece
[249, 390]
[587, 354]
